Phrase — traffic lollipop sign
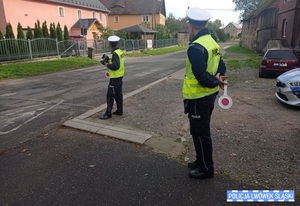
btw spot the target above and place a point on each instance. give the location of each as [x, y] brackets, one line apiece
[107, 74]
[225, 101]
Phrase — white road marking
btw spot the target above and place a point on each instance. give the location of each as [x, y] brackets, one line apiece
[8, 94]
[29, 120]
[149, 72]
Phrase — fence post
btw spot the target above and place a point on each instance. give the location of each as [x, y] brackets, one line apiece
[30, 49]
[57, 48]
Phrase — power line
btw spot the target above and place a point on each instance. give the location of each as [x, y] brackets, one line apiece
[220, 9]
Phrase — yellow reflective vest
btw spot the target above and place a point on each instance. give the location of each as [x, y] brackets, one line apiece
[121, 71]
[192, 89]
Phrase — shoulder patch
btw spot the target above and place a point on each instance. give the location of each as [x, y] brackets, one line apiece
[198, 47]
[192, 44]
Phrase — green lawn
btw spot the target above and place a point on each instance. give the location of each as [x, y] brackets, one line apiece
[24, 69]
[235, 58]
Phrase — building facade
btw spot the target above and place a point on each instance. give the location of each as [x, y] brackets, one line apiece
[65, 12]
[126, 13]
[275, 19]
[233, 29]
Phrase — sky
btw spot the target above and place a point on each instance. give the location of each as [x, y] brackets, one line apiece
[220, 9]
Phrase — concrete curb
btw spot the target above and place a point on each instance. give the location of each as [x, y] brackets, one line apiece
[81, 123]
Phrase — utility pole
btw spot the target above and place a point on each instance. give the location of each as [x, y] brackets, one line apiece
[153, 12]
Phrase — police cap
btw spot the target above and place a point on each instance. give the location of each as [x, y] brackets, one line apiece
[197, 16]
[113, 38]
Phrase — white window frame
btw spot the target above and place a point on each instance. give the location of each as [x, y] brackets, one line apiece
[79, 14]
[100, 16]
[61, 11]
[116, 19]
[284, 29]
[145, 18]
[94, 14]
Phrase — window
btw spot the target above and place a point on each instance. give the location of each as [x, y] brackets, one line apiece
[94, 14]
[116, 19]
[280, 54]
[298, 28]
[100, 16]
[284, 28]
[145, 18]
[79, 14]
[61, 11]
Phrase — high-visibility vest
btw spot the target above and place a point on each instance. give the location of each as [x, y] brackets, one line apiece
[121, 71]
[192, 89]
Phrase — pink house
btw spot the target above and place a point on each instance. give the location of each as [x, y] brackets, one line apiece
[75, 14]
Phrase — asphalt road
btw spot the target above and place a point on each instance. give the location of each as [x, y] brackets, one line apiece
[42, 163]
[34, 106]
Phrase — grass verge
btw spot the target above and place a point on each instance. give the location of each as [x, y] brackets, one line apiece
[237, 57]
[25, 69]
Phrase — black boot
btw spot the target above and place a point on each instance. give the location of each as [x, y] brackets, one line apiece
[105, 117]
[200, 174]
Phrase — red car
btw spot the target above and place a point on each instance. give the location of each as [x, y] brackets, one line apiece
[277, 61]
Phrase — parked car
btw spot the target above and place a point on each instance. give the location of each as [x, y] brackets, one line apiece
[276, 61]
[288, 87]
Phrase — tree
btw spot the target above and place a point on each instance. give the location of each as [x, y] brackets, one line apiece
[59, 32]
[215, 29]
[123, 34]
[173, 25]
[222, 36]
[52, 31]
[247, 6]
[45, 30]
[214, 25]
[20, 34]
[163, 32]
[29, 34]
[105, 32]
[66, 33]
[37, 33]
[213, 34]
[9, 34]
[1, 35]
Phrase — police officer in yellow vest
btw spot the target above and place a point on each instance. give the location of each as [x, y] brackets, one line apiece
[116, 68]
[205, 72]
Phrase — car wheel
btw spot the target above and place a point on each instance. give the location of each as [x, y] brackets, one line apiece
[260, 74]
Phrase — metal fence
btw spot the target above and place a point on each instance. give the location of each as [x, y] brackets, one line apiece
[20, 49]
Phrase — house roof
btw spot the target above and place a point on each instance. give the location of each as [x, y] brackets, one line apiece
[236, 25]
[138, 28]
[90, 4]
[85, 23]
[127, 7]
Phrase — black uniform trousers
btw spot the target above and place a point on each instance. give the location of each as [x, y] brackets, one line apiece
[199, 113]
[114, 92]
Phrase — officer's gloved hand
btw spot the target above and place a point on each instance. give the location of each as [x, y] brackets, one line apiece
[104, 59]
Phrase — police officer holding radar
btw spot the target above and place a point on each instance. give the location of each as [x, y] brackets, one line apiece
[205, 72]
[116, 70]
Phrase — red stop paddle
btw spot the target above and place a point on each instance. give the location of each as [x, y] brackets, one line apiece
[107, 74]
[225, 101]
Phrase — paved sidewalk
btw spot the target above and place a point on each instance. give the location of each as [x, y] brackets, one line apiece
[85, 123]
